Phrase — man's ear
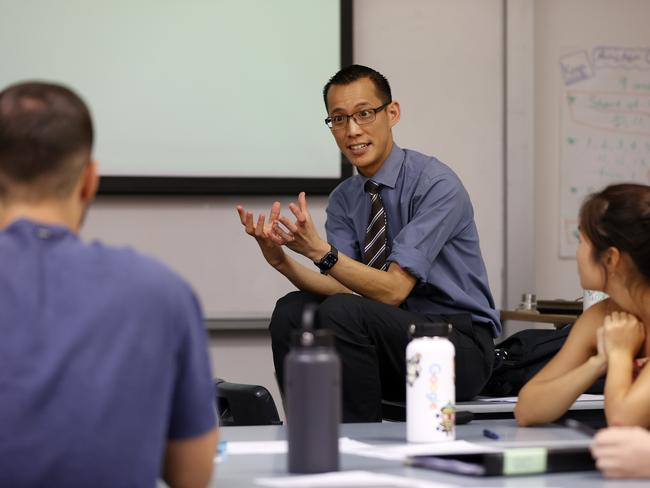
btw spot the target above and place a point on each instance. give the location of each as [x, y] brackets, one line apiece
[393, 112]
[89, 182]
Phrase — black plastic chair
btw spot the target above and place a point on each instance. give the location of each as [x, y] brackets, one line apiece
[241, 404]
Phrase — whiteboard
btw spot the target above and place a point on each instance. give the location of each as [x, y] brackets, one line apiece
[605, 126]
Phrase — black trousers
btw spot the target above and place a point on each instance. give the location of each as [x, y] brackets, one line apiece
[371, 339]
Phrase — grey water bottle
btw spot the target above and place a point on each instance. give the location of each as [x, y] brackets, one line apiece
[313, 399]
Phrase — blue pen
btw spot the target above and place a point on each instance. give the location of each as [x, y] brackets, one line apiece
[221, 448]
[490, 434]
[221, 451]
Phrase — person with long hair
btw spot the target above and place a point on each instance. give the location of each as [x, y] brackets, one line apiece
[611, 337]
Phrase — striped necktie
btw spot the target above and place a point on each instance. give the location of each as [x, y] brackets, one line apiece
[375, 251]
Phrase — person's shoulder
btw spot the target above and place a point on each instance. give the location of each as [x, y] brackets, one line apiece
[596, 313]
[428, 167]
[593, 317]
[433, 177]
[139, 270]
[346, 188]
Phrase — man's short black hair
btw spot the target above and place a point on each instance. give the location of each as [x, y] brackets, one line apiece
[46, 135]
[356, 72]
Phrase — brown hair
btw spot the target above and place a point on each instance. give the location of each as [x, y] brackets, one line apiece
[619, 216]
[46, 135]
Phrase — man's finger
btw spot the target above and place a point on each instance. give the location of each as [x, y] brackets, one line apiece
[248, 222]
[275, 211]
[288, 237]
[275, 237]
[242, 214]
[288, 224]
[300, 216]
[302, 200]
[259, 229]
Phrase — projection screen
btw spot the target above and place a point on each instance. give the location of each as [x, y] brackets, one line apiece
[198, 96]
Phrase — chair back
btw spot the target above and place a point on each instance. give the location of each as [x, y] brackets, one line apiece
[241, 404]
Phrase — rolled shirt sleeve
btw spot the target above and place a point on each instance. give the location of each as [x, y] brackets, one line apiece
[439, 210]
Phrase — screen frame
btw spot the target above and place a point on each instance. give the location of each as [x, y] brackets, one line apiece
[176, 185]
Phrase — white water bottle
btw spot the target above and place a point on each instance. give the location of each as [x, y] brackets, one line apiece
[430, 387]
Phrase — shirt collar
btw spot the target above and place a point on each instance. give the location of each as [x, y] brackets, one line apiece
[389, 171]
[40, 229]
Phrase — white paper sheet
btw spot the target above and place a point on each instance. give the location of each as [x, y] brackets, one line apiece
[349, 479]
[280, 447]
[394, 452]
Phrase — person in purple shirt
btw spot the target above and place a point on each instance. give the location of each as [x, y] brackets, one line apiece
[401, 247]
[104, 373]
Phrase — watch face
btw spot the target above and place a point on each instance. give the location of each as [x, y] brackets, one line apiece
[328, 261]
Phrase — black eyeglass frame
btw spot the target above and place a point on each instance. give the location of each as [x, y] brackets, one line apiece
[328, 120]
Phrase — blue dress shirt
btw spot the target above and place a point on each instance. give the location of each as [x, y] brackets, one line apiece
[431, 233]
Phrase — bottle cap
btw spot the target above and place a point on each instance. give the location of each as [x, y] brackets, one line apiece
[430, 329]
[528, 302]
[312, 338]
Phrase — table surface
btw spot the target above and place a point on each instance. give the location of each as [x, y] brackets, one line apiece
[241, 470]
[534, 316]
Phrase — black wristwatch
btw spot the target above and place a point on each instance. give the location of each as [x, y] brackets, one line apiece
[328, 261]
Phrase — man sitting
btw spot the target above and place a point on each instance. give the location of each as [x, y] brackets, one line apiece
[104, 372]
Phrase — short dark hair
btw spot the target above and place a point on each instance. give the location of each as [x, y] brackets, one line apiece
[619, 216]
[356, 72]
[44, 129]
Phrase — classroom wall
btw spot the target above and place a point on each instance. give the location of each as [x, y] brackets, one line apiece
[558, 24]
[444, 59]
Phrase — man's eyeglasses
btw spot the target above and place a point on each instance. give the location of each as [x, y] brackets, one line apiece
[362, 117]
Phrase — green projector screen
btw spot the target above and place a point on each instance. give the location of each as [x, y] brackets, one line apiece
[192, 96]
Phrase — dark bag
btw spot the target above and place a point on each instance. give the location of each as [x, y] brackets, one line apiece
[518, 358]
